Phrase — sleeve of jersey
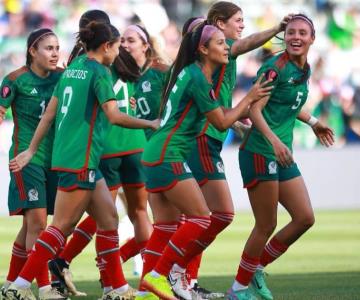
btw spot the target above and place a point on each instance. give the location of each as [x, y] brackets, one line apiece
[204, 96]
[7, 92]
[56, 91]
[103, 86]
[271, 72]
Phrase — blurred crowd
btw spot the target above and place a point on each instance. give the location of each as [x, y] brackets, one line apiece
[335, 57]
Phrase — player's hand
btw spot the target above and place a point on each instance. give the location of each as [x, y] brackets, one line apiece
[2, 113]
[132, 103]
[284, 22]
[240, 128]
[260, 89]
[155, 124]
[282, 153]
[324, 133]
[20, 161]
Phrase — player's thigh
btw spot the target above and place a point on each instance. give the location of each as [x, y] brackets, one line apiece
[264, 198]
[102, 207]
[217, 196]
[293, 195]
[69, 208]
[186, 195]
[163, 211]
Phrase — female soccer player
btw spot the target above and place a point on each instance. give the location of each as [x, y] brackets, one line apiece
[268, 170]
[32, 190]
[77, 149]
[187, 100]
[205, 160]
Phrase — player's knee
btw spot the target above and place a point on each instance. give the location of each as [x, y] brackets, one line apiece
[36, 227]
[266, 229]
[306, 222]
[111, 222]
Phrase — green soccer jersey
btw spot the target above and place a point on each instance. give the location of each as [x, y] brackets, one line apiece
[286, 100]
[190, 98]
[121, 141]
[224, 83]
[148, 93]
[80, 122]
[28, 95]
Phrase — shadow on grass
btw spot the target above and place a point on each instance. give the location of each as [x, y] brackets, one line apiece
[311, 286]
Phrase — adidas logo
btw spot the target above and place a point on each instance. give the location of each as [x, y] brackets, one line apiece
[34, 91]
[291, 80]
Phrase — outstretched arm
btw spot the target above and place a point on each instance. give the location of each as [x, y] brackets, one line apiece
[256, 40]
[116, 117]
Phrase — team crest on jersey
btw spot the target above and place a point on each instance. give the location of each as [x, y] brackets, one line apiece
[272, 167]
[271, 74]
[220, 167]
[33, 195]
[146, 86]
[212, 95]
[5, 91]
[92, 176]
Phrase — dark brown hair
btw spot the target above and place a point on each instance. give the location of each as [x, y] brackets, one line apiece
[85, 19]
[97, 33]
[221, 11]
[33, 41]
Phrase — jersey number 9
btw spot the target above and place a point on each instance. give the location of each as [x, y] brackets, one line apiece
[67, 95]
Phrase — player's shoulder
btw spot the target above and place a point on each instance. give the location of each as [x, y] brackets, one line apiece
[16, 74]
[275, 66]
[159, 66]
[196, 75]
[98, 69]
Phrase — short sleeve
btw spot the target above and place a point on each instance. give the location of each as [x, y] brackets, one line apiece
[203, 95]
[7, 92]
[103, 86]
[56, 90]
[270, 72]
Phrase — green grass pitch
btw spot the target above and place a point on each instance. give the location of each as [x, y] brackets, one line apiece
[323, 264]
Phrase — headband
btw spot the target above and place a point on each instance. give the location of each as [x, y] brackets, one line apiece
[194, 23]
[207, 33]
[40, 37]
[304, 19]
[139, 31]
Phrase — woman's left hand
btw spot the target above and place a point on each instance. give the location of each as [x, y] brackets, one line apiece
[324, 133]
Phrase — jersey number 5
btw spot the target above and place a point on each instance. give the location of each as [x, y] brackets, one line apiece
[67, 95]
[298, 100]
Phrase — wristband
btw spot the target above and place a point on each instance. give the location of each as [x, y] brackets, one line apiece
[312, 121]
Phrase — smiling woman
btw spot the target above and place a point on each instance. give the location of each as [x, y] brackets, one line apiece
[267, 167]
